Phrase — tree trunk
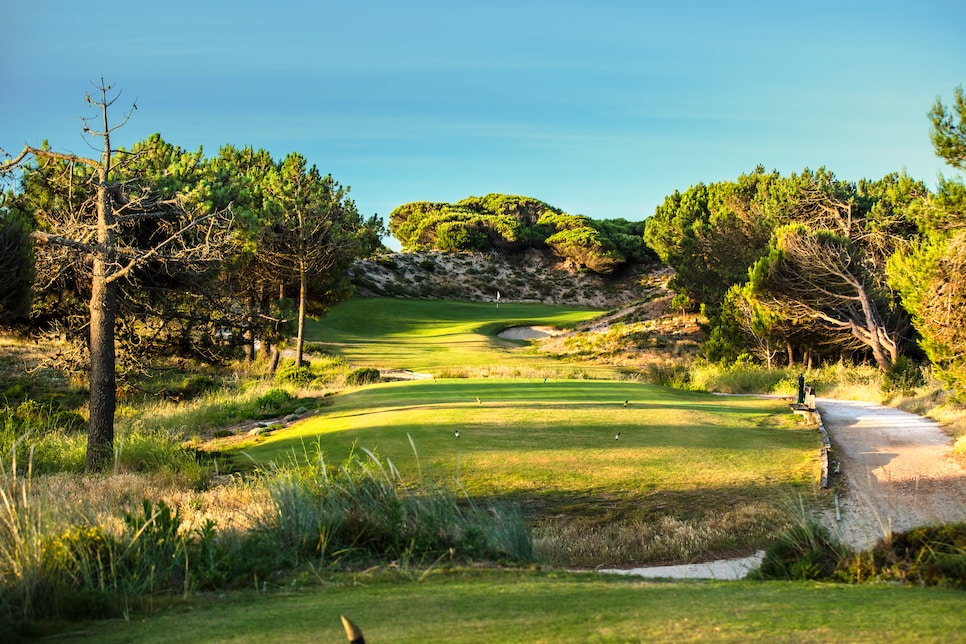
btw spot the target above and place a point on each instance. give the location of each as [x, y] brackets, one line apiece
[791, 353]
[250, 346]
[273, 365]
[303, 295]
[103, 306]
[103, 400]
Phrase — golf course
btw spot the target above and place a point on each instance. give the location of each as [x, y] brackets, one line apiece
[608, 471]
[474, 489]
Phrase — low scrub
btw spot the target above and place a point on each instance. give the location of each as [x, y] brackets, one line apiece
[364, 511]
[362, 376]
[922, 556]
[63, 558]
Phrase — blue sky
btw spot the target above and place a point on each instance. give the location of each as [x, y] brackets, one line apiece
[599, 108]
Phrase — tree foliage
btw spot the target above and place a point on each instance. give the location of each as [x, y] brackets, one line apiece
[948, 133]
[823, 278]
[136, 253]
[764, 226]
[711, 234]
[311, 238]
[16, 267]
[510, 223]
[928, 271]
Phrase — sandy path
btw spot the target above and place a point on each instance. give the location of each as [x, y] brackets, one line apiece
[897, 467]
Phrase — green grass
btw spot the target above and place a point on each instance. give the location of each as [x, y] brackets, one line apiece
[514, 606]
[551, 448]
[434, 335]
[708, 473]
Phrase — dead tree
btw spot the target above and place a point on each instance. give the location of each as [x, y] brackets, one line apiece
[92, 231]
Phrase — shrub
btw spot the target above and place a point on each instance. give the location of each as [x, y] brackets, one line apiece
[362, 376]
[668, 374]
[194, 386]
[155, 559]
[904, 377]
[929, 556]
[290, 373]
[272, 401]
[804, 551]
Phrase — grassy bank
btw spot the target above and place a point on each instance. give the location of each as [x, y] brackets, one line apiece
[691, 477]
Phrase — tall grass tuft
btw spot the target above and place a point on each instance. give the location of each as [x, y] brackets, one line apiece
[739, 379]
[140, 449]
[364, 510]
[23, 574]
[48, 439]
[805, 551]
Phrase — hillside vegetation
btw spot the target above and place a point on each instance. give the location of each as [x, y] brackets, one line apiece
[512, 224]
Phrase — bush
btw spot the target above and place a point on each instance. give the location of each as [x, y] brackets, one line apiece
[362, 376]
[668, 374]
[904, 377]
[194, 386]
[805, 551]
[928, 556]
[272, 401]
[290, 373]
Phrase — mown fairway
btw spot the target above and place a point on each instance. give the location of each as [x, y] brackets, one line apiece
[434, 335]
[553, 444]
[550, 444]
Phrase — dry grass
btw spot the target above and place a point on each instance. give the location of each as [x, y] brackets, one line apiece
[667, 540]
[232, 503]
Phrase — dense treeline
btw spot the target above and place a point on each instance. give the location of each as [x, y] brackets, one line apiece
[789, 270]
[158, 252]
[292, 235]
[510, 224]
[808, 267]
[204, 257]
[787, 266]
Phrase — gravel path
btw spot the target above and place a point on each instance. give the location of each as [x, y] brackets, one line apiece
[897, 467]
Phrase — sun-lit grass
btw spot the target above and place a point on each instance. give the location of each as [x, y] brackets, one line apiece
[434, 335]
[559, 436]
[552, 447]
[521, 606]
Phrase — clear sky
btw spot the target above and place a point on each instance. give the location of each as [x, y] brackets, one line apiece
[599, 108]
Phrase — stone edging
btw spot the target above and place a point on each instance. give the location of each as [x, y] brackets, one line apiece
[812, 415]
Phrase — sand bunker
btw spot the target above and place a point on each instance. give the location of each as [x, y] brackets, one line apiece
[528, 332]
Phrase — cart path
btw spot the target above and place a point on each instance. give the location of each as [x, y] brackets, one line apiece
[898, 469]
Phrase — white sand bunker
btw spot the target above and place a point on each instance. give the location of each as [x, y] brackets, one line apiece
[528, 332]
